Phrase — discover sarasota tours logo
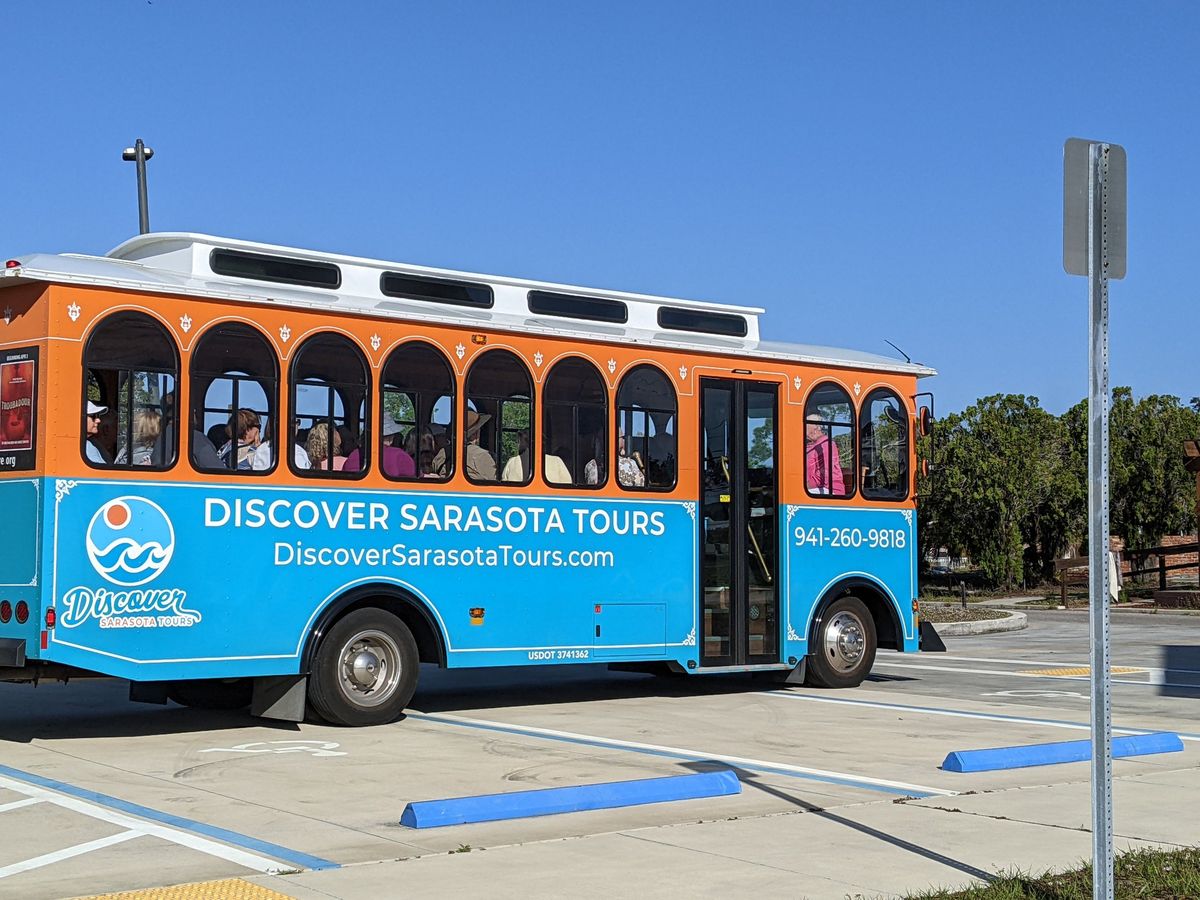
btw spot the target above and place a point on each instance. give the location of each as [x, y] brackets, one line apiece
[129, 542]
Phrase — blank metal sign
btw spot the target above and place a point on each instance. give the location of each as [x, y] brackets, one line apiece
[1076, 173]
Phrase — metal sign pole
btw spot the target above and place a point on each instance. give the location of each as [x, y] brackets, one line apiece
[1102, 846]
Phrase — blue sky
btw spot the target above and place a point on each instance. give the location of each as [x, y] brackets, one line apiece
[865, 171]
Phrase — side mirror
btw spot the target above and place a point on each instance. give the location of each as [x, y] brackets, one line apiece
[925, 422]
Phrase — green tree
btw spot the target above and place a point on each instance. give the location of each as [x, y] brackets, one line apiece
[1002, 491]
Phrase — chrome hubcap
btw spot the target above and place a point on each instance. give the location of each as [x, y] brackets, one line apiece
[845, 641]
[370, 668]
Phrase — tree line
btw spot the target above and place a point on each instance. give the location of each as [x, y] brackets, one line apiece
[1007, 485]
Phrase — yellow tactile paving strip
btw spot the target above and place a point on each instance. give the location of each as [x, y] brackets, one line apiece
[226, 889]
[1081, 670]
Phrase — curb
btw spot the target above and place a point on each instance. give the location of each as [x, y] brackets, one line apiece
[1014, 621]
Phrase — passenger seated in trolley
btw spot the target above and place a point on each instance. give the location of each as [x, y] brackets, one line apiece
[823, 462]
[479, 463]
[629, 468]
[324, 453]
[244, 429]
[95, 413]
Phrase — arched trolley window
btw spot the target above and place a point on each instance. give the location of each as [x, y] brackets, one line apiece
[647, 432]
[329, 389]
[497, 441]
[574, 426]
[131, 367]
[883, 442]
[235, 395]
[416, 414]
[829, 442]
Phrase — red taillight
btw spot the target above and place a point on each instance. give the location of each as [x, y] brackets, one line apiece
[5, 610]
[51, 617]
[22, 612]
[12, 264]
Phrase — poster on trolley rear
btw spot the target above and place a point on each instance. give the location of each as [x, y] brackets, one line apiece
[18, 408]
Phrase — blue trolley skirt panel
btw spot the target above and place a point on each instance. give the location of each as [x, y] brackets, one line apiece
[169, 581]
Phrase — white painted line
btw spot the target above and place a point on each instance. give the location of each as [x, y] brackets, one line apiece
[17, 804]
[48, 859]
[961, 713]
[841, 777]
[1151, 680]
[1055, 663]
[141, 826]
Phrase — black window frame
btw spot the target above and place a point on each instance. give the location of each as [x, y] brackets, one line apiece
[498, 418]
[602, 407]
[330, 416]
[218, 256]
[198, 398]
[384, 390]
[620, 409]
[849, 483]
[467, 288]
[577, 306]
[115, 320]
[865, 421]
[702, 321]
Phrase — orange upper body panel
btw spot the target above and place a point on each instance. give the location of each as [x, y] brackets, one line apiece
[59, 319]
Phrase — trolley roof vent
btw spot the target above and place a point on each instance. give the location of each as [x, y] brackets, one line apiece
[278, 269]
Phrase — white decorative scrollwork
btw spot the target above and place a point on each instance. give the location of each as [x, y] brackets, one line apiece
[796, 382]
[907, 513]
[689, 506]
[857, 389]
[73, 312]
[460, 350]
[285, 334]
[690, 640]
[791, 511]
[683, 373]
[537, 359]
[791, 634]
[8, 315]
[612, 366]
[376, 340]
[62, 487]
[185, 322]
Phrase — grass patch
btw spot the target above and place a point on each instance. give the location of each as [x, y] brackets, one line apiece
[1138, 875]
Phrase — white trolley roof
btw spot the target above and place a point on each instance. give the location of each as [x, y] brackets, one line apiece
[180, 263]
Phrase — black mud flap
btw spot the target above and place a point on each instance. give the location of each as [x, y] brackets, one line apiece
[930, 641]
[12, 653]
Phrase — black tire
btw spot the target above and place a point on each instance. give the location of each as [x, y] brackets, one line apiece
[216, 693]
[365, 669]
[842, 645]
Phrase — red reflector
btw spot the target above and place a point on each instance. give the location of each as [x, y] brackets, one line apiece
[12, 264]
[22, 612]
[5, 610]
[51, 617]
[597, 607]
[45, 640]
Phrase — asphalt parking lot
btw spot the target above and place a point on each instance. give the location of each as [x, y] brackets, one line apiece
[100, 795]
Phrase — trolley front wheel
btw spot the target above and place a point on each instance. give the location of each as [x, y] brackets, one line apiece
[843, 645]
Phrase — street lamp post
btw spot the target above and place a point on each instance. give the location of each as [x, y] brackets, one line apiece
[139, 153]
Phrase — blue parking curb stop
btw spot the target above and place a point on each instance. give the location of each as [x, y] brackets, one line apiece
[550, 801]
[1060, 752]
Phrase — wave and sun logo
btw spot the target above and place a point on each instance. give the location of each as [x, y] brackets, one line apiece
[130, 541]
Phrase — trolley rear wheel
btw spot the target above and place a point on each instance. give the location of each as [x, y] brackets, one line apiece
[365, 669]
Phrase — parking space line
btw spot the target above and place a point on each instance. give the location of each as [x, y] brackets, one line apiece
[1154, 679]
[47, 859]
[176, 829]
[17, 804]
[898, 788]
[965, 714]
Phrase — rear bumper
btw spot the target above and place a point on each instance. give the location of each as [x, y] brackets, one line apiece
[12, 653]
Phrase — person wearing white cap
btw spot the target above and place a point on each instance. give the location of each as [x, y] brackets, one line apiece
[94, 453]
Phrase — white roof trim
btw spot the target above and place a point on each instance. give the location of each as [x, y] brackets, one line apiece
[178, 263]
